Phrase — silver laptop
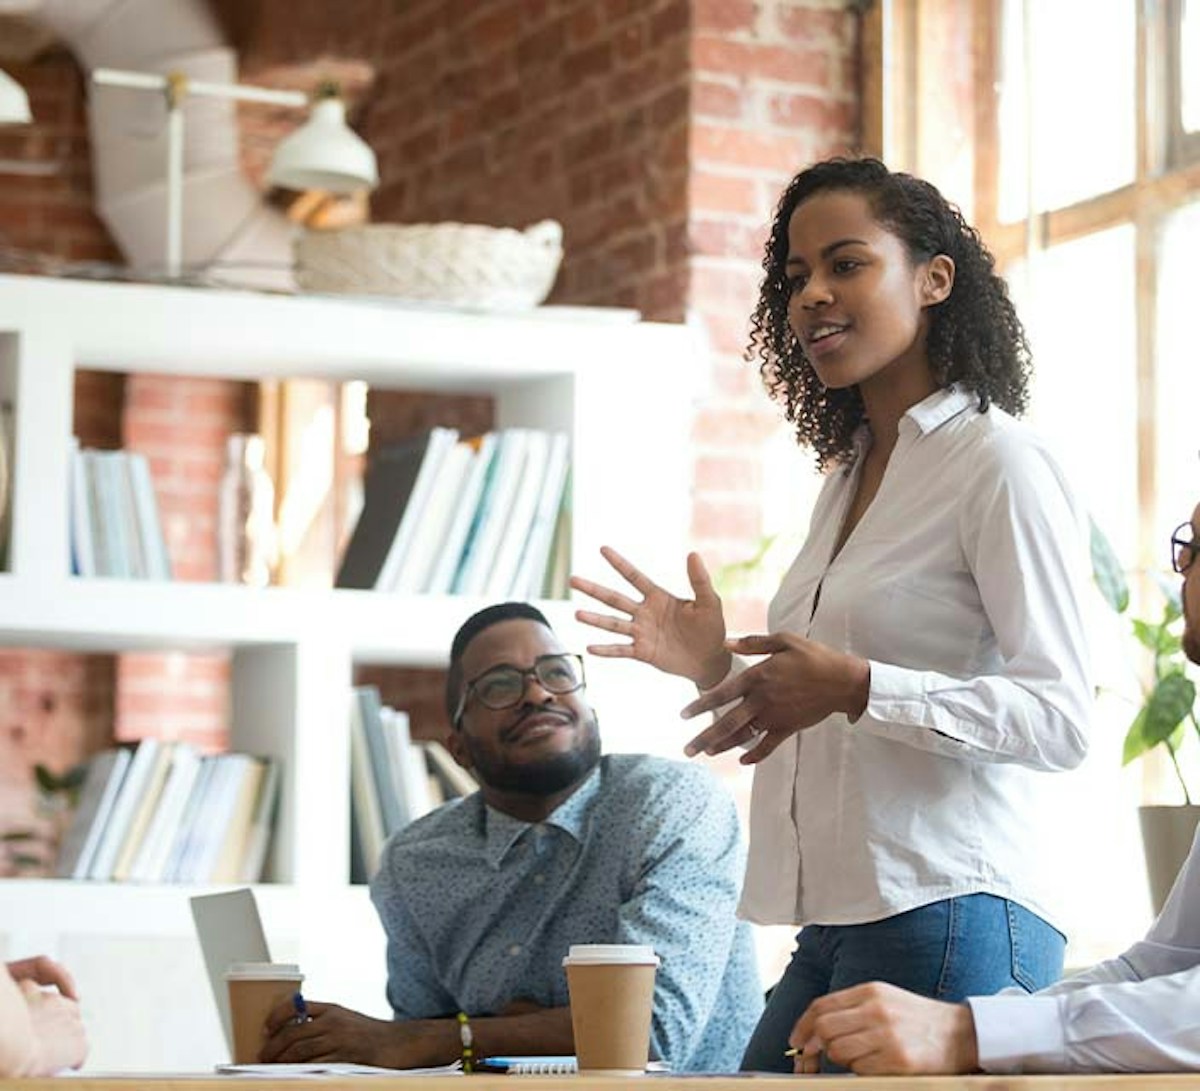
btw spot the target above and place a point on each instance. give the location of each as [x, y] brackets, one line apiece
[230, 930]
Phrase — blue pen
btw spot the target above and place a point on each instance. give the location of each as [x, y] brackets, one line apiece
[301, 1007]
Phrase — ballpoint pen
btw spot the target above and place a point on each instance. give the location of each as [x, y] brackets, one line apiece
[301, 1007]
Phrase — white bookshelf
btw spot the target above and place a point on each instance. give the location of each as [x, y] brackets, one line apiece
[621, 388]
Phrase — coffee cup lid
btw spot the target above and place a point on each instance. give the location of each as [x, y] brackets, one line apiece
[630, 954]
[265, 971]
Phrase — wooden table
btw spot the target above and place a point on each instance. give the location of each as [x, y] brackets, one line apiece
[1183, 1082]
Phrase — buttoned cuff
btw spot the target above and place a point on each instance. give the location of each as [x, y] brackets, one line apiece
[896, 696]
[1019, 1033]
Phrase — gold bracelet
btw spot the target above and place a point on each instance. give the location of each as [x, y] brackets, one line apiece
[468, 1042]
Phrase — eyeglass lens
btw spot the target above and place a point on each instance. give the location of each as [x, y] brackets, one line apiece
[1183, 547]
[504, 687]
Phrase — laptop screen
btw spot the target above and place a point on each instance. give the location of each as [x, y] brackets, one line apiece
[230, 930]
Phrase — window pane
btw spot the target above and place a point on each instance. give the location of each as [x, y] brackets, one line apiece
[1082, 95]
[1189, 67]
[1178, 380]
[1085, 371]
[1077, 302]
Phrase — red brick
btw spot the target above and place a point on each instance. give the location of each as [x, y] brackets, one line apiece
[711, 144]
[725, 16]
[725, 288]
[727, 238]
[629, 42]
[543, 46]
[724, 100]
[803, 23]
[589, 62]
[811, 111]
[713, 55]
[711, 191]
[583, 24]
[673, 18]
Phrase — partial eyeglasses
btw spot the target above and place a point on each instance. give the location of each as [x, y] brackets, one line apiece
[1183, 550]
[504, 687]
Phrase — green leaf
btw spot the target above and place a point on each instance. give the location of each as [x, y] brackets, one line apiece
[1148, 634]
[1135, 739]
[1170, 702]
[1107, 570]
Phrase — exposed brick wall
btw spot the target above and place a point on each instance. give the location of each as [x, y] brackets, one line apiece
[513, 111]
[180, 425]
[49, 210]
[774, 88]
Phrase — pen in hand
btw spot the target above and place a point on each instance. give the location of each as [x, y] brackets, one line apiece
[301, 1007]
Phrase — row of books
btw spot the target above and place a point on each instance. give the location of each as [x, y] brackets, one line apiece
[487, 516]
[115, 527]
[161, 812]
[393, 779]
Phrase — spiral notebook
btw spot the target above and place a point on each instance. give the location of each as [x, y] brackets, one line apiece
[546, 1066]
[530, 1066]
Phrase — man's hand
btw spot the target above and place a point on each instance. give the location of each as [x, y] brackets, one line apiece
[57, 1029]
[44, 971]
[334, 1033]
[880, 1030]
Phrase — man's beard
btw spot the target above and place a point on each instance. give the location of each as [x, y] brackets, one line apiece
[542, 778]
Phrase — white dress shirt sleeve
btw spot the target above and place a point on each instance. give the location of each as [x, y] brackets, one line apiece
[1136, 1013]
[1022, 539]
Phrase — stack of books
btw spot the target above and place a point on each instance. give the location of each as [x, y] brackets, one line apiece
[487, 516]
[161, 812]
[393, 780]
[115, 528]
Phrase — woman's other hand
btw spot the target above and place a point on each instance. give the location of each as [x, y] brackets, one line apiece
[799, 684]
[678, 636]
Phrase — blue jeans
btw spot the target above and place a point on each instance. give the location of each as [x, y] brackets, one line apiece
[970, 946]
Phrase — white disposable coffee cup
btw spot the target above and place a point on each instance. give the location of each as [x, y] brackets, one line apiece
[611, 986]
[254, 989]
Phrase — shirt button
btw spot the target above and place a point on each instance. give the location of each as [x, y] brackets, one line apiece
[539, 879]
[515, 949]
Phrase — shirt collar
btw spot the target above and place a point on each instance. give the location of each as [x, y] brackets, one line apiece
[503, 831]
[942, 405]
[925, 417]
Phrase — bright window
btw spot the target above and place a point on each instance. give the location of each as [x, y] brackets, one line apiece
[1067, 110]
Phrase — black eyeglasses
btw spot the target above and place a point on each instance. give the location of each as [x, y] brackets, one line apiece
[1183, 550]
[503, 687]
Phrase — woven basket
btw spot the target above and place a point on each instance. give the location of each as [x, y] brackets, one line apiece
[493, 267]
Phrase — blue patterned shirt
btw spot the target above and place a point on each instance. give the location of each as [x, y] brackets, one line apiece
[480, 908]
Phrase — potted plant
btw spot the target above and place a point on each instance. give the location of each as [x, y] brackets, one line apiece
[1165, 717]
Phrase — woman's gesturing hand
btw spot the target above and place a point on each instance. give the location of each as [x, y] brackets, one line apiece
[678, 636]
[798, 684]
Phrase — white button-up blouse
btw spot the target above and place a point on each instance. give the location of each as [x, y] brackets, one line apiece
[962, 584]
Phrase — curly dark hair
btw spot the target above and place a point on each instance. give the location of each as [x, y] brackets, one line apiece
[975, 336]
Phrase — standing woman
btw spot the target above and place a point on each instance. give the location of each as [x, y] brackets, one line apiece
[926, 659]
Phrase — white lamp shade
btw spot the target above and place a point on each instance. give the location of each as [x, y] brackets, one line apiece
[14, 103]
[324, 153]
